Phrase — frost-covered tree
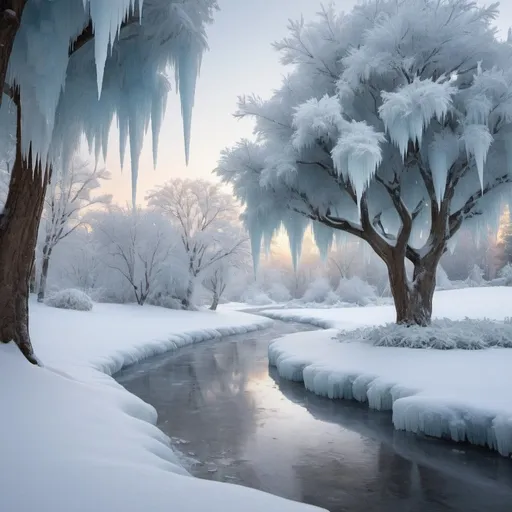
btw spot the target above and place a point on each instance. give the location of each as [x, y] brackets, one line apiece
[69, 196]
[136, 244]
[68, 68]
[206, 220]
[394, 126]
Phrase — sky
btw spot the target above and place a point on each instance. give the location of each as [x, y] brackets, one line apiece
[241, 61]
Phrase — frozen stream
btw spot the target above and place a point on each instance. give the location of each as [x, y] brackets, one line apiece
[236, 422]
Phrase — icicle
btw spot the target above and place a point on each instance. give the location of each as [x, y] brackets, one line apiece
[107, 18]
[295, 226]
[187, 69]
[256, 236]
[323, 239]
[442, 153]
[478, 140]
[123, 137]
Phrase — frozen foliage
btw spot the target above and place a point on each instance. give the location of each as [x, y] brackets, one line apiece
[320, 291]
[394, 126]
[442, 334]
[461, 395]
[356, 291]
[256, 297]
[108, 59]
[70, 194]
[279, 293]
[136, 244]
[506, 274]
[206, 223]
[70, 299]
[476, 277]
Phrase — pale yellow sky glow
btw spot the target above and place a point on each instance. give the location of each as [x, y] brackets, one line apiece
[240, 61]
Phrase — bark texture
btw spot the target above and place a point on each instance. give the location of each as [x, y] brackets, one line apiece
[215, 302]
[19, 225]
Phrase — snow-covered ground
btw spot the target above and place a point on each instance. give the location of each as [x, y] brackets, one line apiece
[74, 440]
[458, 394]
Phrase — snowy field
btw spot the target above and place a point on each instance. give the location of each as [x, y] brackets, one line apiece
[457, 394]
[76, 441]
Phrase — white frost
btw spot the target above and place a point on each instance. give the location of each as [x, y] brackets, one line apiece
[408, 111]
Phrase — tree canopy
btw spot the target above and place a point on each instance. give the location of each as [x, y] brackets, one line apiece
[394, 126]
[392, 115]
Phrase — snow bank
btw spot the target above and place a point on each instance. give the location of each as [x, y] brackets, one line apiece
[458, 394]
[75, 440]
[112, 336]
[462, 395]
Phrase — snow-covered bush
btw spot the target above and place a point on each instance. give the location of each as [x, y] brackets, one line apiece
[442, 334]
[279, 293]
[70, 299]
[475, 278]
[356, 291]
[165, 301]
[320, 291]
[256, 297]
[506, 274]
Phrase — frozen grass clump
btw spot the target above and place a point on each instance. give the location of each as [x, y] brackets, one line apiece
[442, 334]
[70, 299]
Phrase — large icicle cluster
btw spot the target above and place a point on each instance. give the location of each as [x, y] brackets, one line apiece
[80, 63]
[408, 104]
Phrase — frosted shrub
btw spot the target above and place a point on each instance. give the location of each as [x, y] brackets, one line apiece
[164, 300]
[442, 334]
[320, 291]
[506, 274]
[356, 291]
[256, 297]
[279, 293]
[476, 277]
[70, 299]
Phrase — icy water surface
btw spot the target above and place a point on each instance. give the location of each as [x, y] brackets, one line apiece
[235, 421]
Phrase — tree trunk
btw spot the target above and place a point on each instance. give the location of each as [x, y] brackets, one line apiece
[215, 301]
[10, 17]
[19, 225]
[413, 300]
[44, 273]
[33, 284]
[186, 302]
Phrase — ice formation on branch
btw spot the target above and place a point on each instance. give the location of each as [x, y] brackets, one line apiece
[80, 63]
[396, 123]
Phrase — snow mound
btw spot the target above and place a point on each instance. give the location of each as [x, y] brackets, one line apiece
[70, 299]
[442, 334]
[461, 395]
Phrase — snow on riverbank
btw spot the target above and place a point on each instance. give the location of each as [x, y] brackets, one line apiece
[73, 440]
[458, 394]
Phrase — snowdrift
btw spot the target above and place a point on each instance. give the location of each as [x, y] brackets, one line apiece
[75, 440]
